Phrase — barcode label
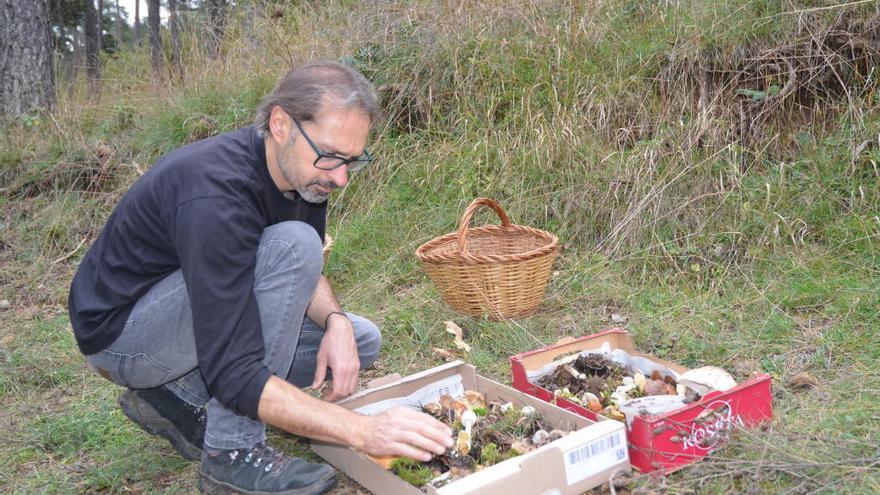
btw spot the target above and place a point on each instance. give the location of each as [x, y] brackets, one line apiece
[595, 457]
[593, 449]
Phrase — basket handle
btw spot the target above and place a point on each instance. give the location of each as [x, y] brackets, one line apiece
[469, 213]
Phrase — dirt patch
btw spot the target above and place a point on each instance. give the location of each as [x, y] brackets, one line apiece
[759, 88]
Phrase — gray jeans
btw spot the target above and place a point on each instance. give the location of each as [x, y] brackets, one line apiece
[157, 345]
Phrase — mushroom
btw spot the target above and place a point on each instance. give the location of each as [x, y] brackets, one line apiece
[459, 407]
[527, 411]
[463, 443]
[573, 372]
[441, 480]
[474, 399]
[655, 387]
[695, 383]
[468, 419]
[613, 413]
[540, 438]
[593, 403]
[556, 435]
[639, 379]
[433, 408]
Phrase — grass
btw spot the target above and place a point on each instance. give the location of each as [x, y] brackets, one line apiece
[752, 248]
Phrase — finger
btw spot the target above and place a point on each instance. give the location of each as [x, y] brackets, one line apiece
[350, 383]
[427, 421]
[338, 386]
[402, 449]
[421, 442]
[353, 379]
[437, 433]
[320, 371]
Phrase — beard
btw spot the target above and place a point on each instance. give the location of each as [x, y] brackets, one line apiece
[315, 196]
[289, 171]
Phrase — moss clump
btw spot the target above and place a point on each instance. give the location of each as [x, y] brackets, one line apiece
[490, 455]
[411, 471]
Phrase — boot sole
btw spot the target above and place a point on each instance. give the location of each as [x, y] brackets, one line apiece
[149, 420]
[210, 486]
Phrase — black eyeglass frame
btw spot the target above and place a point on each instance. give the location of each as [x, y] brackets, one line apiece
[359, 162]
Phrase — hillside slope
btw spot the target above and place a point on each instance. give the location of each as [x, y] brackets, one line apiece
[710, 167]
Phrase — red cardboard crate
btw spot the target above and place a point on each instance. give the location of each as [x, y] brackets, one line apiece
[667, 441]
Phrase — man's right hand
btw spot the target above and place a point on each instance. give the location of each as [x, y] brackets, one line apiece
[403, 432]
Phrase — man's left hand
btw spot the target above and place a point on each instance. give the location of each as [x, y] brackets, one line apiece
[338, 351]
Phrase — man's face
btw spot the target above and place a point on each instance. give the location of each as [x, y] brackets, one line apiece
[340, 132]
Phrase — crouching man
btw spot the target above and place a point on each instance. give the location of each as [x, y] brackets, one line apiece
[204, 297]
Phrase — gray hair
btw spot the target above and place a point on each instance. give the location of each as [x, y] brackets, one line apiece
[305, 90]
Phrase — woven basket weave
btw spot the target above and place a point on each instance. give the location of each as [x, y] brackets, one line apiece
[328, 245]
[495, 270]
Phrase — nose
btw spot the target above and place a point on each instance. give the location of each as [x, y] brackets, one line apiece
[339, 176]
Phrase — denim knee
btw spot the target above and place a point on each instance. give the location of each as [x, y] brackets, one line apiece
[290, 243]
[369, 341]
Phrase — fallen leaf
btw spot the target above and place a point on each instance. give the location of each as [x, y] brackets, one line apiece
[616, 318]
[454, 329]
[803, 381]
[443, 353]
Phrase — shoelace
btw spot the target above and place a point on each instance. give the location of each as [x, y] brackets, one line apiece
[262, 454]
[200, 413]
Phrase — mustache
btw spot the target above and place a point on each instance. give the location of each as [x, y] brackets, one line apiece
[326, 184]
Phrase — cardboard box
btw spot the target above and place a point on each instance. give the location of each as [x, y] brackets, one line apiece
[583, 459]
[667, 441]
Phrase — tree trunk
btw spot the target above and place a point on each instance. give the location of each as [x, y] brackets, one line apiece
[92, 45]
[100, 25]
[217, 19]
[27, 81]
[118, 27]
[155, 40]
[137, 22]
[174, 27]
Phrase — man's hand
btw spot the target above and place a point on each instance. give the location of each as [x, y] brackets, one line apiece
[400, 431]
[338, 351]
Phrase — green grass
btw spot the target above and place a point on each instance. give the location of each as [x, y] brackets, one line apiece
[581, 118]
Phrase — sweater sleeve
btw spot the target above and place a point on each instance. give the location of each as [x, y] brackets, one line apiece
[216, 240]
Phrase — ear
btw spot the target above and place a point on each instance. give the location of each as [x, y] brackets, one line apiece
[279, 125]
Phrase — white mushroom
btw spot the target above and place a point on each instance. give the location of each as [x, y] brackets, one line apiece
[640, 380]
[468, 419]
[540, 438]
[703, 380]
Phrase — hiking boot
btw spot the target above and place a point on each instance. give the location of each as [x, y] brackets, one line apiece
[159, 412]
[262, 470]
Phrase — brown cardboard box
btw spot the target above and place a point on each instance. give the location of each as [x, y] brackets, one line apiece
[571, 465]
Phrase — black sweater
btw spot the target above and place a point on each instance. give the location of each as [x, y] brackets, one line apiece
[202, 209]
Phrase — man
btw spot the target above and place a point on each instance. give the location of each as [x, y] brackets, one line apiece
[203, 295]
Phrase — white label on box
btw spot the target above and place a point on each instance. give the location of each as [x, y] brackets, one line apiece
[429, 393]
[594, 457]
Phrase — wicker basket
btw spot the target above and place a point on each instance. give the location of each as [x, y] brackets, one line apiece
[328, 245]
[497, 270]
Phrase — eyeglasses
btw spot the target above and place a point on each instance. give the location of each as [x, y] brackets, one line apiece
[329, 161]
